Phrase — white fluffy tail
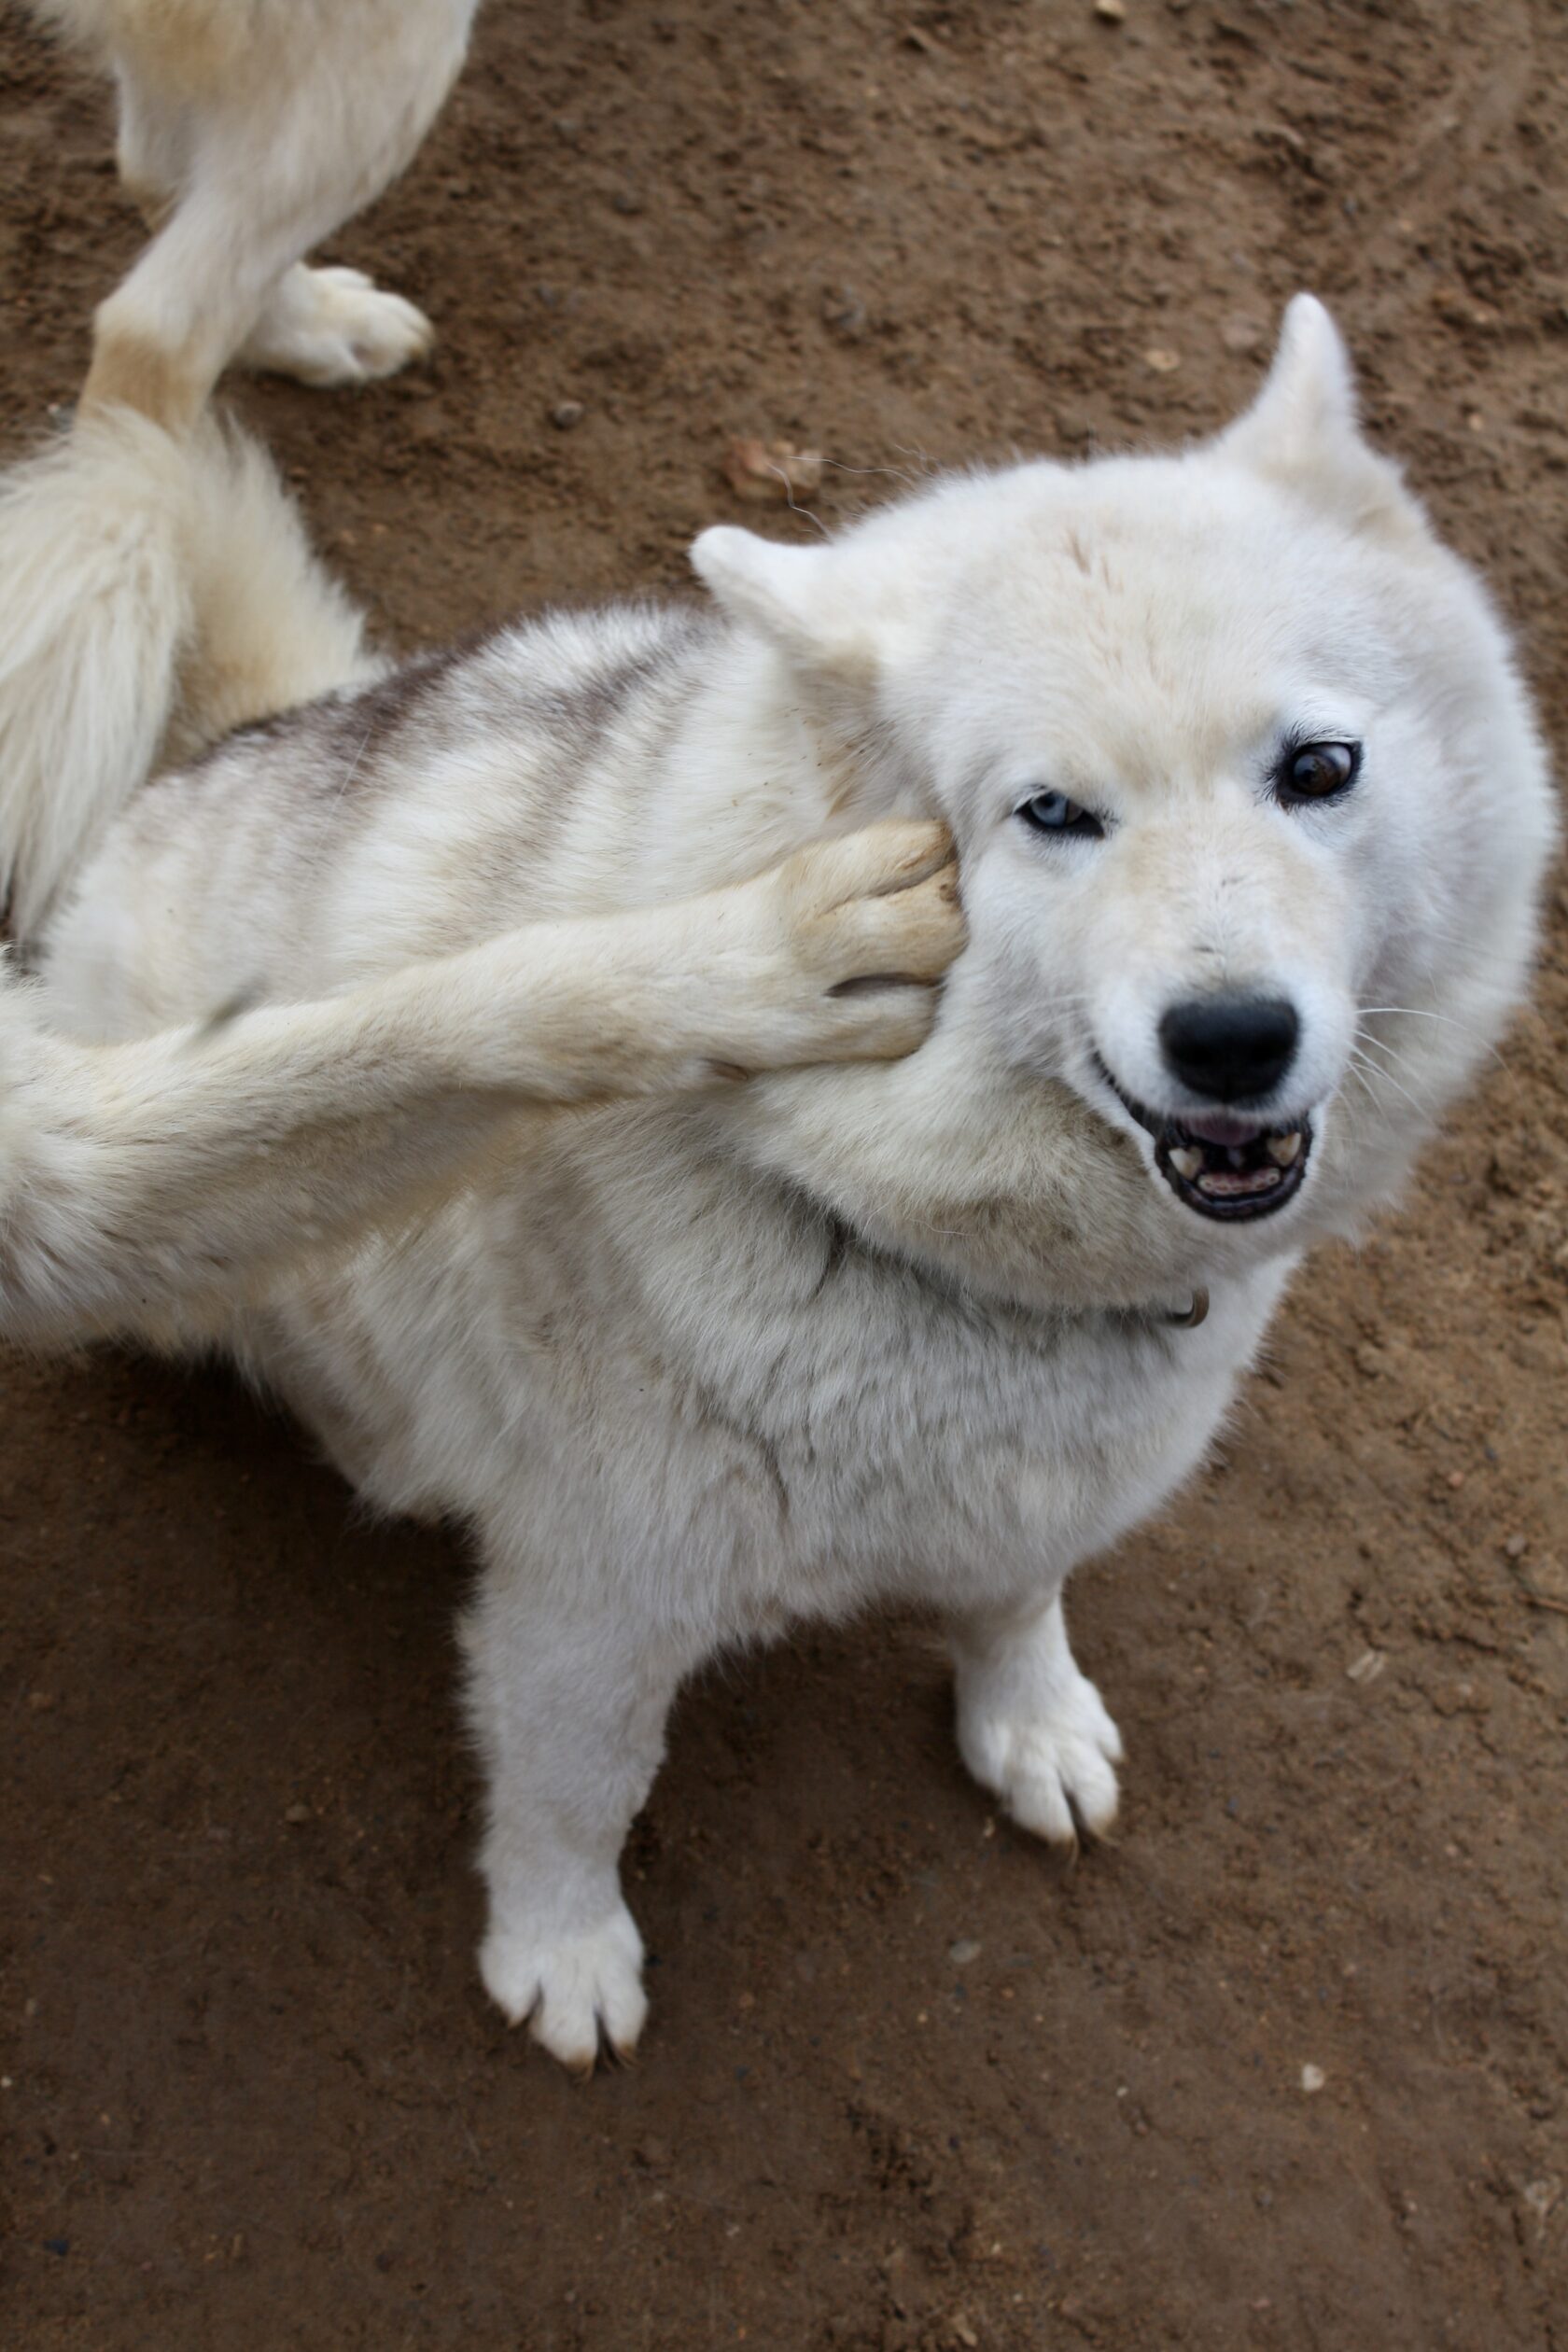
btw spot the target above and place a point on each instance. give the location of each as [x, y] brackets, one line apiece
[155, 593]
[94, 614]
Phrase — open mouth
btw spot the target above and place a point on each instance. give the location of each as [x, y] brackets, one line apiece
[1221, 1164]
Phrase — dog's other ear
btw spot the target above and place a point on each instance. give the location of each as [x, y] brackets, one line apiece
[794, 597]
[1302, 432]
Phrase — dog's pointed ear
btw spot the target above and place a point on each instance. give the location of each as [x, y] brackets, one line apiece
[1303, 429]
[1308, 403]
[794, 597]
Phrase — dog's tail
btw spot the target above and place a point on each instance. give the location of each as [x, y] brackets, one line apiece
[155, 593]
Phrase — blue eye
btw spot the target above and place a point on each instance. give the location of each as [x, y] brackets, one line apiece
[1053, 813]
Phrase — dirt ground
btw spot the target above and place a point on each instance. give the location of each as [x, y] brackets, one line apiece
[908, 2083]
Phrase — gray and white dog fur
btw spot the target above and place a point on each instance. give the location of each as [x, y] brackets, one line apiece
[694, 1371]
[139, 1181]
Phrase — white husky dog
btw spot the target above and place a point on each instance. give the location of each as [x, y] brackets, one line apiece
[1251, 810]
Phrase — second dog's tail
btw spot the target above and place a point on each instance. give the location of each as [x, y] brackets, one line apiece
[155, 593]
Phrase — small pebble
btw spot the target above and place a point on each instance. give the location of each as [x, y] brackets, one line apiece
[1241, 332]
[1111, 11]
[1312, 2077]
[963, 1951]
[40, 1700]
[1517, 1545]
[297, 1814]
[1162, 361]
[843, 311]
[566, 414]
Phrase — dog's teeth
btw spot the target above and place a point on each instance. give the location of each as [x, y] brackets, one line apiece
[1283, 1149]
[1187, 1159]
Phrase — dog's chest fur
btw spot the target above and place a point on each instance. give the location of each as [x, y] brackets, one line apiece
[638, 1361]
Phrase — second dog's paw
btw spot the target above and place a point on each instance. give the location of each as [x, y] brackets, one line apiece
[864, 925]
[877, 905]
[571, 1990]
[1054, 1772]
[336, 325]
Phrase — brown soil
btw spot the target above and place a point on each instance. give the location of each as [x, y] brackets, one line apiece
[253, 2096]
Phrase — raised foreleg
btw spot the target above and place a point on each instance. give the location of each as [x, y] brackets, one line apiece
[139, 1180]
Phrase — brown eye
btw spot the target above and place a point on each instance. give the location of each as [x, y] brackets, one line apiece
[1317, 771]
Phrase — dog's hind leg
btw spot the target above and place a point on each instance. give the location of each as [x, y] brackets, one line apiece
[242, 176]
[152, 149]
[334, 326]
[324, 325]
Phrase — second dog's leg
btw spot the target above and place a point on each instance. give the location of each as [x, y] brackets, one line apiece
[568, 1700]
[152, 151]
[287, 144]
[324, 325]
[142, 1180]
[1032, 1727]
[334, 326]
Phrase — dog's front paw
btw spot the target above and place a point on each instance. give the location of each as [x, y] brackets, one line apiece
[336, 325]
[572, 1991]
[1054, 1768]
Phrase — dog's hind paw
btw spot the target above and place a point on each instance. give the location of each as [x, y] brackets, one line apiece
[576, 1993]
[335, 325]
[1034, 1729]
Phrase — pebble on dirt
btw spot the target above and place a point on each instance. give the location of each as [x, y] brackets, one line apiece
[1243, 332]
[843, 310]
[1312, 2077]
[566, 414]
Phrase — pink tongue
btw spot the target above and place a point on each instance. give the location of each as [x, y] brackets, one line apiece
[1216, 1127]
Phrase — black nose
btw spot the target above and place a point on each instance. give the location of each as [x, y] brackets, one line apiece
[1230, 1048]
